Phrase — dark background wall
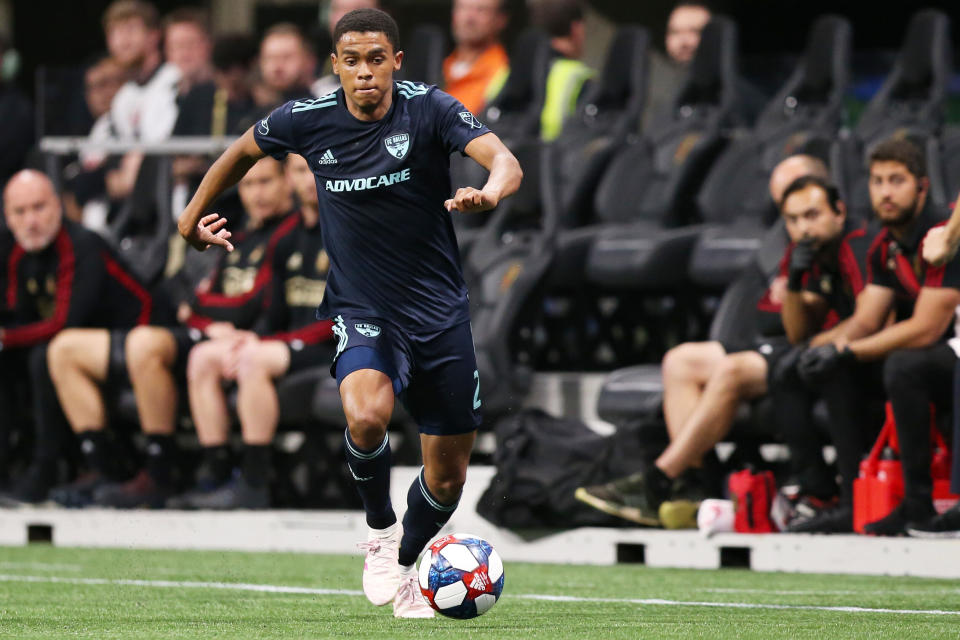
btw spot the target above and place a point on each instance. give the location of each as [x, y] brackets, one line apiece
[69, 33]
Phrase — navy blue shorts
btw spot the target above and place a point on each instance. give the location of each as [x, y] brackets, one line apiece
[434, 373]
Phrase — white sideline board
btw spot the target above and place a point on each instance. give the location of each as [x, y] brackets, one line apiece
[339, 531]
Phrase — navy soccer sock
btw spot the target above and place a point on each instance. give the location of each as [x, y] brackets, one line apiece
[424, 518]
[371, 473]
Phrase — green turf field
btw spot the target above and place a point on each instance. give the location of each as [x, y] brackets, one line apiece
[48, 592]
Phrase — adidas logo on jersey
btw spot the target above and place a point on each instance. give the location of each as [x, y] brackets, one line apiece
[327, 158]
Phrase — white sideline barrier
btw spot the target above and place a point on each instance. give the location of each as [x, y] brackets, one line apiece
[339, 531]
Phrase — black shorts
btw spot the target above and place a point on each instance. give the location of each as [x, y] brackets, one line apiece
[434, 373]
[185, 337]
[772, 349]
[303, 356]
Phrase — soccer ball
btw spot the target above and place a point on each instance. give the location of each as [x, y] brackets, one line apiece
[461, 576]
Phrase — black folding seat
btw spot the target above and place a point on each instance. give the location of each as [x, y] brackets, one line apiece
[910, 104]
[514, 115]
[948, 173]
[803, 117]
[648, 190]
[423, 55]
[142, 228]
[604, 119]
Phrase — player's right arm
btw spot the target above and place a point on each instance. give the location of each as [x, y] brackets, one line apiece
[203, 231]
[504, 180]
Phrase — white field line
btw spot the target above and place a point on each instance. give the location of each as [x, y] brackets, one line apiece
[834, 592]
[269, 588]
[41, 566]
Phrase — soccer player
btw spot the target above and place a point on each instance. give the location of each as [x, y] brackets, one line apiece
[379, 151]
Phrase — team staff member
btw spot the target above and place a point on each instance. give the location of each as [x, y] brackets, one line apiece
[227, 303]
[704, 383]
[293, 339]
[940, 246]
[380, 153]
[58, 275]
[917, 362]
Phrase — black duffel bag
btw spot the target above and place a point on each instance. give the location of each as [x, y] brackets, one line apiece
[541, 460]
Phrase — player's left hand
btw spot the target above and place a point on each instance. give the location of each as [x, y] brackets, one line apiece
[210, 230]
[470, 200]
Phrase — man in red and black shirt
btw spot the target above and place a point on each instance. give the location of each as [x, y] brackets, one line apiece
[58, 275]
[916, 361]
[227, 304]
[291, 339]
[704, 383]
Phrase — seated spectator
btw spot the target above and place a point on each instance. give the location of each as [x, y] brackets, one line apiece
[910, 358]
[224, 105]
[568, 76]
[18, 129]
[227, 305]
[145, 107]
[188, 46]
[219, 108]
[704, 383]
[475, 71]
[293, 339]
[286, 67]
[668, 73]
[85, 198]
[60, 276]
[336, 9]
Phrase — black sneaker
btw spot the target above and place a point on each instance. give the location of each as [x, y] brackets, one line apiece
[945, 525]
[831, 520]
[142, 491]
[236, 494]
[625, 498]
[32, 488]
[79, 493]
[895, 523]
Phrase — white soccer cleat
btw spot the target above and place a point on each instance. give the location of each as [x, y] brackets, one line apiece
[381, 573]
[409, 603]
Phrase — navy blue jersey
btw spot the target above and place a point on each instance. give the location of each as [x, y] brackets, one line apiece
[381, 186]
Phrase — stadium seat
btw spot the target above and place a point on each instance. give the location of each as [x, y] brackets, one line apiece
[949, 166]
[606, 116]
[145, 222]
[423, 55]
[803, 117]
[648, 190]
[514, 115]
[911, 103]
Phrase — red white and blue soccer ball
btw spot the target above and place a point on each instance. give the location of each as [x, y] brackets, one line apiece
[461, 576]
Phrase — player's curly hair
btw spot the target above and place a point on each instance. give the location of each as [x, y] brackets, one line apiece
[368, 20]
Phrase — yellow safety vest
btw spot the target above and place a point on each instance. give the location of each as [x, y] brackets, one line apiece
[564, 82]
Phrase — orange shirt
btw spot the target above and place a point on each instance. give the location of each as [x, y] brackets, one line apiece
[471, 87]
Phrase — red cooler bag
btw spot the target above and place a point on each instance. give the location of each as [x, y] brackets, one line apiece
[753, 495]
[879, 488]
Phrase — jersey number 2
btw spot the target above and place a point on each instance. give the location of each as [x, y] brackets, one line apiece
[476, 393]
